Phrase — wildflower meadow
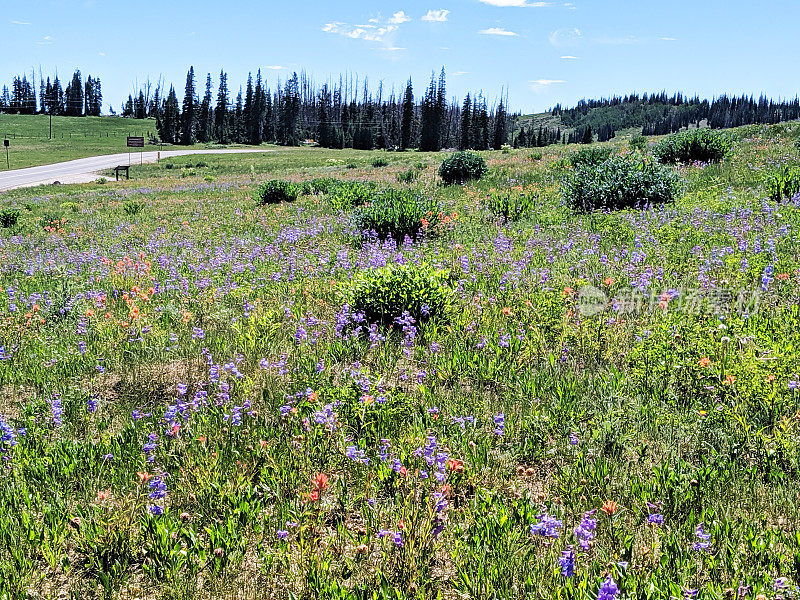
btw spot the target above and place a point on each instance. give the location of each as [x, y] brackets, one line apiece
[379, 385]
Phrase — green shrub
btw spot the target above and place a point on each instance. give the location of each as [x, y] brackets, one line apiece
[797, 144]
[462, 166]
[397, 214]
[73, 206]
[384, 294]
[409, 176]
[188, 165]
[169, 166]
[276, 191]
[696, 145]
[352, 165]
[510, 205]
[201, 165]
[619, 183]
[131, 207]
[380, 162]
[593, 155]
[638, 143]
[783, 184]
[535, 155]
[345, 195]
[505, 149]
[9, 217]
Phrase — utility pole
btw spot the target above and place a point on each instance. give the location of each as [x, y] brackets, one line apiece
[51, 124]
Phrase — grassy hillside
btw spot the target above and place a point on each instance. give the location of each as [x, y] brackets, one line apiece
[73, 137]
[194, 405]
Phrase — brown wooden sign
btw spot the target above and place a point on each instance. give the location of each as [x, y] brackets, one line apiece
[135, 142]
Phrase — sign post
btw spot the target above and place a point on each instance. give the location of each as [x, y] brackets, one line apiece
[135, 142]
[6, 143]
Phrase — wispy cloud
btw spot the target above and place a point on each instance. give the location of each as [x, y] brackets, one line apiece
[45, 41]
[620, 40]
[436, 16]
[517, 3]
[669, 39]
[101, 54]
[565, 37]
[569, 57]
[497, 31]
[276, 67]
[459, 73]
[376, 30]
[20, 23]
[539, 85]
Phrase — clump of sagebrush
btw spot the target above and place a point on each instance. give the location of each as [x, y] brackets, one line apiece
[461, 167]
[617, 183]
[384, 295]
[593, 155]
[783, 184]
[696, 145]
[276, 191]
[344, 195]
[398, 214]
[510, 205]
[9, 217]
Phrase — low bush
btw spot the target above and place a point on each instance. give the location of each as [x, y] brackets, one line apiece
[384, 294]
[593, 155]
[9, 217]
[638, 143]
[783, 184]
[345, 195]
[409, 176]
[276, 191]
[696, 145]
[619, 183]
[535, 155]
[397, 214]
[461, 167]
[169, 166]
[510, 205]
[380, 162]
[132, 207]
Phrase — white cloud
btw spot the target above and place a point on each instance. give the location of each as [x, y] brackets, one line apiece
[569, 57]
[436, 16]
[459, 73]
[539, 85]
[373, 31]
[20, 23]
[518, 3]
[101, 54]
[565, 37]
[46, 41]
[394, 49]
[398, 18]
[497, 31]
[619, 41]
[276, 67]
[669, 39]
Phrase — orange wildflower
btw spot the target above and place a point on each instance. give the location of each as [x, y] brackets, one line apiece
[610, 507]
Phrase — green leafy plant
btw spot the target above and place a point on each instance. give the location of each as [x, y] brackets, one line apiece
[276, 191]
[131, 207]
[510, 205]
[398, 214]
[619, 183]
[593, 155]
[462, 166]
[346, 195]
[638, 143]
[380, 162]
[408, 176]
[384, 294]
[535, 155]
[9, 217]
[783, 184]
[696, 145]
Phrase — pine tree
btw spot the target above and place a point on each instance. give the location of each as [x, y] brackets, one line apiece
[222, 132]
[587, 135]
[189, 112]
[247, 111]
[259, 111]
[238, 119]
[466, 124]
[441, 112]
[169, 123]
[289, 113]
[500, 135]
[408, 117]
[205, 130]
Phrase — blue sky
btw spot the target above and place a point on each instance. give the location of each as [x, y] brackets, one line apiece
[542, 52]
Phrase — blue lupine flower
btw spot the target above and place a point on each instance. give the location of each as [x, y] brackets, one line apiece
[608, 589]
[547, 526]
[567, 562]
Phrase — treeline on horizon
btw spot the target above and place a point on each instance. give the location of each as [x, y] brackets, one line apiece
[345, 115]
[78, 99]
[659, 114]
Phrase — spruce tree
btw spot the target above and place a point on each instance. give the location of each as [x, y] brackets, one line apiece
[205, 128]
[222, 131]
[248, 112]
[408, 117]
[189, 112]
[500, 135]
[169, 122]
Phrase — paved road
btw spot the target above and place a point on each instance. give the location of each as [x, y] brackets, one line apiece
[85, 170]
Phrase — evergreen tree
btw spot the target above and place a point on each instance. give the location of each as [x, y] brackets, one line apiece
[247, 111]
[222, 131]
[466, 124]
[169, 122]
[500, 135]
[408, 117]
[289, 113]
[205, 131]
[587, 135]
[238, 120]
[189, 112]
[259, 111]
